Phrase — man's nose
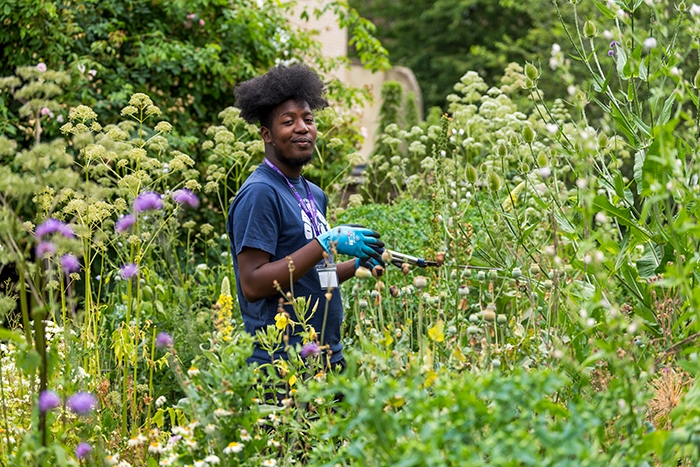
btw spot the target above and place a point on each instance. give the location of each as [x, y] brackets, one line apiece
[301, 127]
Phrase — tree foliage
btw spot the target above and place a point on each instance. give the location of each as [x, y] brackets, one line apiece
[442, 40]
[189, 55]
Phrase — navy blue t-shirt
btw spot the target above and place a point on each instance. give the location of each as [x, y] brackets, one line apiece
[265, 215]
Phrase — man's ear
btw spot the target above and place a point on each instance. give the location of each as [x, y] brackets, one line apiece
[265, 133]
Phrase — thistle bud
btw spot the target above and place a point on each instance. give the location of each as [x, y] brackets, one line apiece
[602, 141]
[528, 134]
[494, 181]
[542, 160]
[502, 150]
[589, 29]
[531, 72]
[471, 174]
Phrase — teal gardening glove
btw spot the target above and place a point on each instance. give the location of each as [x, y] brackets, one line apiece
[359, 242]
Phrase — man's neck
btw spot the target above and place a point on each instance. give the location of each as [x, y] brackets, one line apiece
[289, 172]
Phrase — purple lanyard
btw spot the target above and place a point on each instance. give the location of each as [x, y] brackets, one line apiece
[310, 210]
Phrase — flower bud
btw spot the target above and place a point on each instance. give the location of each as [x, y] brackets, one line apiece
[589, 29]
[528, 134]
[472, 330]
[542, 160]
[531, 72]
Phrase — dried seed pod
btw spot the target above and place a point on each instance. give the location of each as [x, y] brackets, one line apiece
[363, 273]
[378, 271]
[420, 282]
[440, 258]
[394, 291]
[405, 268]
[386, 256]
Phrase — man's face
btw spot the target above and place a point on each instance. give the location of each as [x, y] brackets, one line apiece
[292, 133]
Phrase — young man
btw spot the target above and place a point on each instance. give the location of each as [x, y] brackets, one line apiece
[278, 214]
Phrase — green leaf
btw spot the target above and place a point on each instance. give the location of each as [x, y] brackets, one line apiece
[650, 260]
[639, 158]
[603, 8]
[665, 114]
[622, 216]
[621, 62]
[11, 335]
[628, 279]
[564, 223]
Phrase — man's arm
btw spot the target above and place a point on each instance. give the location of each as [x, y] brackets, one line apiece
[257, 274]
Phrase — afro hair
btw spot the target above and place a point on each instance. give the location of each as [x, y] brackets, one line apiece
[258, 97]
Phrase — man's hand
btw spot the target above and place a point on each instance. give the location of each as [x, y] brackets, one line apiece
[359, 242]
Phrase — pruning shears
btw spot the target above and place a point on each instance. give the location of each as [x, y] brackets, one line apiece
[398, 259]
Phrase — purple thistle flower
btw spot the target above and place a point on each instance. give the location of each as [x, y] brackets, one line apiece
[125, 223]
[45, 248]
[82, 450]
[310, 350]
[70, 263]
[52, 226]
[48, 400]
[129, 270]
[185, 196]
[614, 43]
[611, 52]
[82, 403]
[164, 340]
[148, 201]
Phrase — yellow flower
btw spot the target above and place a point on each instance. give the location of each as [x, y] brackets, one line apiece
[437, 332]
[292, 380]
[282, 321]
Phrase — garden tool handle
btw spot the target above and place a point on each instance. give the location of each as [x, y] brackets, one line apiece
[398, 258]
